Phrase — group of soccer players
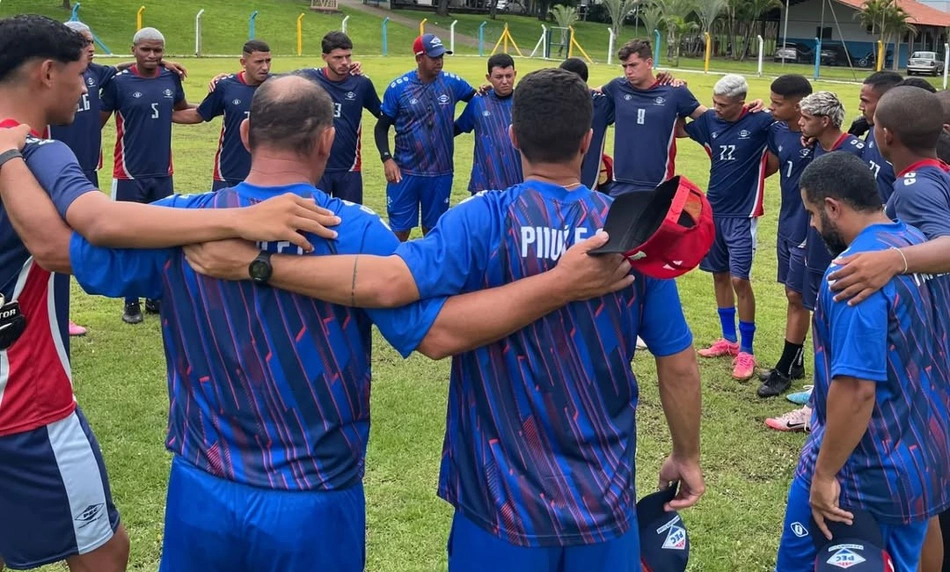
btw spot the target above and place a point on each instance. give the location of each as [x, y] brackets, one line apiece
[269, 352]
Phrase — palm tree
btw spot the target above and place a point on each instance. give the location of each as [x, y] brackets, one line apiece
[675, 19]
[617, 10]
[889, 20]
[565, 17]
[752, 12]
[707, 12]
[651, 14]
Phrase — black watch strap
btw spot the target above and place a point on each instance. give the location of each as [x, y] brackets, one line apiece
[385, 156]
[8, 155]
[260, 269]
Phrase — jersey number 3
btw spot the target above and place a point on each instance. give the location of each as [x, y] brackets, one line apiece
[154, 111]
[337, 108]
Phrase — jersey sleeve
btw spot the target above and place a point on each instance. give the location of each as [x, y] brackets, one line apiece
[453, 257]
[109, 98]
[117, 272]
[686, 102]
[771, 142]
[919, 203]
[179, 89]
[56, 169]
[213, 103]
[466, 122]
[662, 324]
[697, 130]
[106, 73]
[371, 101]
[463, 90]
[390, 107]
[858, 334]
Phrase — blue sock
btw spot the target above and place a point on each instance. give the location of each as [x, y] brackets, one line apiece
[747, 329]
[727, 316]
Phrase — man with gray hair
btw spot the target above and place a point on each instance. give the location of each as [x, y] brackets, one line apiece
[143, 99]
[735, 140]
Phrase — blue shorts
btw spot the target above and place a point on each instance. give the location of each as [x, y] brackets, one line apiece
[56, 501]
[225, 184]
[147, 190]
[783, 255]
[616, 188]
[734, 247]
[797, 553]
[344, 185]
[473, 549]
[217, 525]
[404, 198]
[93, 177]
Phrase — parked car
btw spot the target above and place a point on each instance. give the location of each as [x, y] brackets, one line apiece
[790, 52]
[510, 7]
[924, 63]
[835, 55]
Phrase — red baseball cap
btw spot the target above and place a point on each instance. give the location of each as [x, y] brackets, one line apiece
[664, 233]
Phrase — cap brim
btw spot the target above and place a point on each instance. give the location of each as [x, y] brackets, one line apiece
[634, 217]
[438, 52]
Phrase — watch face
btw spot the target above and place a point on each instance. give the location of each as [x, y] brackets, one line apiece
[259, 270]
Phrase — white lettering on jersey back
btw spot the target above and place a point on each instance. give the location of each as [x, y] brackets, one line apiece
[548, 243]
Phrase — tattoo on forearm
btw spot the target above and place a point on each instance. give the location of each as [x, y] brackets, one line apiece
[356, 261]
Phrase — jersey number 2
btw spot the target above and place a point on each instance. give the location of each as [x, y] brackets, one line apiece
[154, 111]
[727, 152]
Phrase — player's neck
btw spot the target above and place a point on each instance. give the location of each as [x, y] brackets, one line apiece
[902, 159]
[860, 222]
[146, 73]
[647, 83]
[20, 105]
[426, 78]
[563, 175]
[793, 125]
[278, 169]
[828, 139]
[332, 75]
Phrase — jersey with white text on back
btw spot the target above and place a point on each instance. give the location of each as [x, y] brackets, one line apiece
[737, 153]
[540, 443]
[424, 116]
[232, 99]
[35, 376]
[84, 135]
[899, 469]
[350, 97]
[793, 157]
[143, 120]
[882, 169]
[266, 387]
[645, 137]
[496, 164]
[817, 256]
[603, 116]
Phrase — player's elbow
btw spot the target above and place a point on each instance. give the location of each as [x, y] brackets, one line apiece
[394, 292]
[52, 258]
[439, 344]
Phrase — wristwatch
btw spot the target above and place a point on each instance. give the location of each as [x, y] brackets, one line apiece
[8, 155]
[260, 268]
[385, 156]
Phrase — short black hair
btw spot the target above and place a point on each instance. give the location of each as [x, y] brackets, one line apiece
[844, 177]
[30, 37]
[252, 46]
[501, 60]
[919, 82]
[577, 66]
[550, 115]
[913, 115]
[641, 48]
[944, 97]
[288, 112]
[882, 81]
[336, 41]
[943, 147]
[791, 85]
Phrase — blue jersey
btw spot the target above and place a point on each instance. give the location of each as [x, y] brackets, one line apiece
[232, 99]
[793, 157]
[424, 116]
[84, 134]
[603, 116]
[143, 120]
[737, 151]
[540, 444]
[35, 375]
[496, 164]
[645, 138]
[350, 97]
[882, 169]
[817, 256]
[266, 387]
[899, 470]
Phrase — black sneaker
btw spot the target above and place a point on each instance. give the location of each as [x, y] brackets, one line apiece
[152, 306]
[798, 372]
[133, 313]
[776, 384]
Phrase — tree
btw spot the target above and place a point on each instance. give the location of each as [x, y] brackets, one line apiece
[443, 8]
[889, 21]
[651, 14]
[708, 10]
[753, 10]
[66, 5]
[565, 17]
[676, 19]
[617, 10]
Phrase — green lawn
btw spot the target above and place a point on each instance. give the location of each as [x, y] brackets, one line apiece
[119, 374]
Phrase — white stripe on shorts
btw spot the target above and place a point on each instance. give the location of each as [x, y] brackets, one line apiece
[83, 483]
[755, 233]
[115, 187]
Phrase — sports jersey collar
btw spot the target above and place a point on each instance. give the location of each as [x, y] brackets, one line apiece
[264, 193]
[557, 191]
[240, 76]
[878, 226]
[134, 70]
[839, 142]
[8, 123]
[916, 166]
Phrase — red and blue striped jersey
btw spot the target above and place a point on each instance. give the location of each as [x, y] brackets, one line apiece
[737, 152]
[232, 99]
[496, 164]
[540, 444]
[143, 120]
[35, 375]
[424, 116]
[266, 387]
[84, 134]
[645, 138]
[899, 470]
[793, 157]
[350, 97]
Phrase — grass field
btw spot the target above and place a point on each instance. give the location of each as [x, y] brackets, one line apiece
[119, 374]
